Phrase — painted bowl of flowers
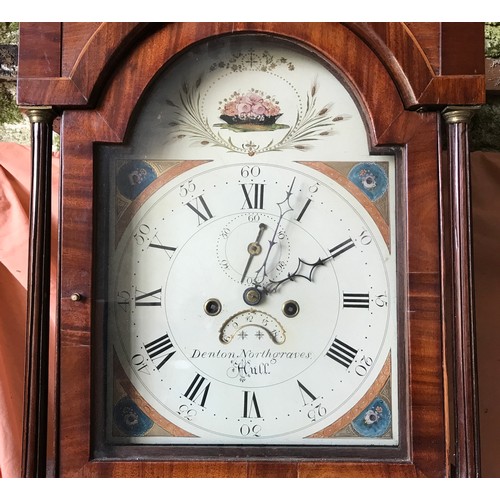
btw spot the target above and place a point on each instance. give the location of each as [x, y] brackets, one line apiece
[251, 108]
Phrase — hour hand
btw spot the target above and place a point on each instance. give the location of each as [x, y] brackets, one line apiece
[304, 270]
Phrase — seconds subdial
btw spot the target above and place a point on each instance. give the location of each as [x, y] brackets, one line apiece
[239, 243]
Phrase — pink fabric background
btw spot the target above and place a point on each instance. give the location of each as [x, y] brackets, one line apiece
[15, 184]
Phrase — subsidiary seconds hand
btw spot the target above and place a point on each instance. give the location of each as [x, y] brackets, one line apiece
[254, 249]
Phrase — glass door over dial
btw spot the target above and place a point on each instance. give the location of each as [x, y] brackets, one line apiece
[249, 263]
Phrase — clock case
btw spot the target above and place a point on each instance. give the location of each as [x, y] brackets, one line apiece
[402, 75]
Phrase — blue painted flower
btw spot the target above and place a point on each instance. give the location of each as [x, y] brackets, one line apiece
[130, 419]
[374, 420]
[370, 178]
[133, 177]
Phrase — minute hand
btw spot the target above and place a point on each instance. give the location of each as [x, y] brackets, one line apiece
[261, 273]
[305, 269]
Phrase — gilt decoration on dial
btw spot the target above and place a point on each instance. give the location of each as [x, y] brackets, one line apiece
[251, 283]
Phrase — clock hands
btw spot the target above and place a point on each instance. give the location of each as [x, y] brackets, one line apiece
[261, 273]
[303, 270]
[262, 283]
[253, 249]
[306, 269]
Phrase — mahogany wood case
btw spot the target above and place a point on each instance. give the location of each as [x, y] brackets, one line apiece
[402, 74]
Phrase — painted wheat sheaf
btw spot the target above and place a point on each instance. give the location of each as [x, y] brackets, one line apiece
[250, 111]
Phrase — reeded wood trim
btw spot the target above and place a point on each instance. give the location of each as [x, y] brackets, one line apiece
[38, 315]
[467, 456]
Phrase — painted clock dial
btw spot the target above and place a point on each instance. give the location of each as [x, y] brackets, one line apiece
[251, 271]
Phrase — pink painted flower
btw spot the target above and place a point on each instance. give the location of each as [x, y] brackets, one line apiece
[252, 105]
[230, 109]
[244, 106]
[259, 109]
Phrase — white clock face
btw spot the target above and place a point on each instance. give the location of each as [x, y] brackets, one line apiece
[253, 302]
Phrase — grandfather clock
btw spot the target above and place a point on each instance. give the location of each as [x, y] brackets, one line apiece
[264, 249]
